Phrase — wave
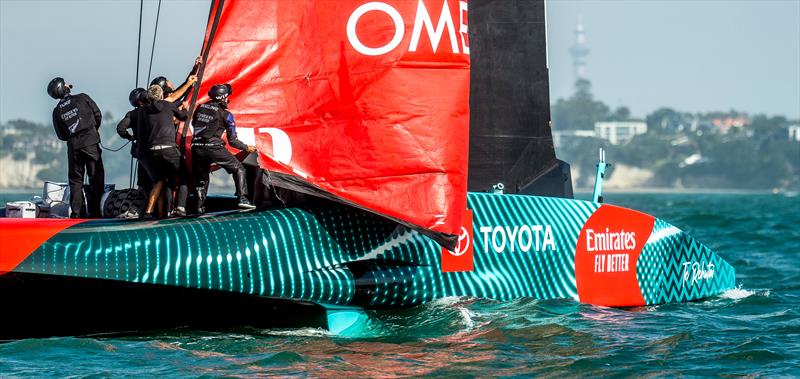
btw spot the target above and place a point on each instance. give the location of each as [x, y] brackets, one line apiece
[740, 293]
[302, 332]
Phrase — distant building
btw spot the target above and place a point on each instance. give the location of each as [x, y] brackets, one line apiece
[617, 132]
[9, 130]
[723, 125]
[794, 133]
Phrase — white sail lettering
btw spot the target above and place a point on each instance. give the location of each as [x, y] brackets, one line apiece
[422, 19]
[381, 7]
[463, 29]
[281, 144]
[435, 35]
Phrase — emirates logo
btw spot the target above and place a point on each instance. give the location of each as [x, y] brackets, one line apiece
[463, 243]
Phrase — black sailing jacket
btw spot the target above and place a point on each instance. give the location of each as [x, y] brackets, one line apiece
[210, 121]
[158, 128]
[76, 119]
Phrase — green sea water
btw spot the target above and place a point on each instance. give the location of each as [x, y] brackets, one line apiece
[753, 330]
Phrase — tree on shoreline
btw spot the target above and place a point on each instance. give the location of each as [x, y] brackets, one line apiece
[580, 111]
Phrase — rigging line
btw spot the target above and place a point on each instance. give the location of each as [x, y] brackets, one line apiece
[138, 56]
[112, 149]
[153, 49]
[274, 191]
[216, 11]
[139, 42]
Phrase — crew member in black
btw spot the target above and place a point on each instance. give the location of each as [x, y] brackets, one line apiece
[76, 119]
[158, 134]
[210, 121]
[178, 96]
[132, 121]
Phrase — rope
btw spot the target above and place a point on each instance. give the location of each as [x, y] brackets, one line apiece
[138, 60]
[153, 49]
[139, 44]
[114, 150]
[274, 191]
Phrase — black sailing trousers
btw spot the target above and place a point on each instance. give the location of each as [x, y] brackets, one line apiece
[87, 160]
[163, 165]
[205, 155]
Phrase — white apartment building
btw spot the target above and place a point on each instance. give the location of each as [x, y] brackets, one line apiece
[617, 132]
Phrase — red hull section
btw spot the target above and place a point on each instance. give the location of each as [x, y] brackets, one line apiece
[364, 101]
[607, 255]
[19, 237]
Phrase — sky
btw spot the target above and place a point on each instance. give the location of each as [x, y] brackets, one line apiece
[692, 56]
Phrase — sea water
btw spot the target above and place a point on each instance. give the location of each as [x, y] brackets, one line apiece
[751, 330]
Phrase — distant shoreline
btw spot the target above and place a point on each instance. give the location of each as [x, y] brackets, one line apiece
[19, 190]
[668, 190]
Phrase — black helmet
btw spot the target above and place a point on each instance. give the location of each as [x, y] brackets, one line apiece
[136, 96]
[161, 82]
[220, 91]
[57, 88]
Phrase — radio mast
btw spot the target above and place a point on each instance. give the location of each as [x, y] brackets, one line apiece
[579, 51]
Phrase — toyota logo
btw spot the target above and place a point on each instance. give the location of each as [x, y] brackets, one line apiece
[463, 243]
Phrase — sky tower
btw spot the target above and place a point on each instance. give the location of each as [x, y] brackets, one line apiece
[579, 51]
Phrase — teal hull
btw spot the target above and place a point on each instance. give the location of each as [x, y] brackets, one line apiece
[333, 255]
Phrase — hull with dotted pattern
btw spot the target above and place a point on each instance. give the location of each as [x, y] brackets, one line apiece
[330, 254]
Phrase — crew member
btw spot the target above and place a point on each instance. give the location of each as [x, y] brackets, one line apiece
[162, 152]
[76, 119]
[132, 121]
[179, 96]
[210, 120]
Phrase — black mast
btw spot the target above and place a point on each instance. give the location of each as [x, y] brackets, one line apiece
[510, 137]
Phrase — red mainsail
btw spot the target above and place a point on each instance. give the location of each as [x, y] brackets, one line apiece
[363, 101]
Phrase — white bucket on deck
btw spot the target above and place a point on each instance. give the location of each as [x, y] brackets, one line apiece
[55, 197]
[55, 193]
[21, 209]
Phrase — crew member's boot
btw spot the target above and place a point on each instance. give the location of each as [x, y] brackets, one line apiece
[180, 202]
[200, 193]
[240, 181]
